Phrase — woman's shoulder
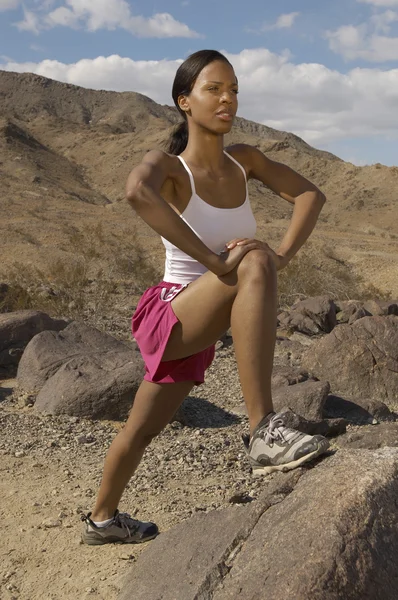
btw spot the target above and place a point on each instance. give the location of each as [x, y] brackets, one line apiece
[161, 159]
[170, 170]
[243, 153]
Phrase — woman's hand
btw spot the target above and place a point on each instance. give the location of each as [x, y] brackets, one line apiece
[248, 244]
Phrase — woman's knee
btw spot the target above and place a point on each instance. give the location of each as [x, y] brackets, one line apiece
[257, 263]
[141, 437]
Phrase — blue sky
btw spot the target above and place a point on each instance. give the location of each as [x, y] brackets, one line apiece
[327, 71]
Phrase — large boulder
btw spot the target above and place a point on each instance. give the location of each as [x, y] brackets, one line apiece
[326, 533]
[359, 359]
[82, 372]
[16, 330]
[370, 436]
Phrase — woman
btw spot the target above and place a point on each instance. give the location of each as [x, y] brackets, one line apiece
[217, 275]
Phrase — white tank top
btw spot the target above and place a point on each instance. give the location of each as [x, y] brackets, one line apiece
[214, 226]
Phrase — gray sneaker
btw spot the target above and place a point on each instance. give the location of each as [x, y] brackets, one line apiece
[122, 530]
[275, 447]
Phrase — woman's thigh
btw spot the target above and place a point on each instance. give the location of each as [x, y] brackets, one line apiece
[203, 310]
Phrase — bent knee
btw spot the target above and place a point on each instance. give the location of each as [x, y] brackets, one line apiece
[257, 262]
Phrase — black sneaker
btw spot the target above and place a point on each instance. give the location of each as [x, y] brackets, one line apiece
[121, 530]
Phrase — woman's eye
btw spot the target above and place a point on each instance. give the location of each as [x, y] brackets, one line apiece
[235, 91]
[212, 89]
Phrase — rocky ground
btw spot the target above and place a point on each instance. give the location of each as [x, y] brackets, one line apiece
[51, 468]
[52, 465]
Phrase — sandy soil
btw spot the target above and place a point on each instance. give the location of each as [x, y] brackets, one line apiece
[51, 468]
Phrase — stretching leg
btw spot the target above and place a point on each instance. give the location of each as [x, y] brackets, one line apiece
[154, 407]
[246, 300]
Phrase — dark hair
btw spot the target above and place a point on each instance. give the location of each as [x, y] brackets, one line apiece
[185, 78]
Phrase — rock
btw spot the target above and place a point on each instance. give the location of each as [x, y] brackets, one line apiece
[16, 330]
[179, 564]
[306, 399]
[326, 427]
[374, 308]
[81, 372]
[359, 410]
[350, 309]
[381, 307]
[311, 316]
[299, 322]
[51, 523]
[371, 437]
[325, 533]
[342, 548]
[359, 314]
[301, 338]
[284, 376]
[390, 308]
[359, 359]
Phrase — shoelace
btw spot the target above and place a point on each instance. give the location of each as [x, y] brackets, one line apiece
[129, 525]
[277, 430]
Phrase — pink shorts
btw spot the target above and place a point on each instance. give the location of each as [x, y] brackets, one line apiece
[152, 323]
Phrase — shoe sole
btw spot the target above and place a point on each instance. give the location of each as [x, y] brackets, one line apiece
[93, 541]
[260, 470]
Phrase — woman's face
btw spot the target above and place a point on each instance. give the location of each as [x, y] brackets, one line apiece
[213, 100]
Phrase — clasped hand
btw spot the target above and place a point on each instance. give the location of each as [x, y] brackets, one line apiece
[236, 249]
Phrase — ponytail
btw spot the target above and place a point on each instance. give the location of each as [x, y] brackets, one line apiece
[178, 140]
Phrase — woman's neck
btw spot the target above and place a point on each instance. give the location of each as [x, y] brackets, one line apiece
[206, 151]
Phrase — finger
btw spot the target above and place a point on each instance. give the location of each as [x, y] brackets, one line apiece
[234, 243]
[245, 241]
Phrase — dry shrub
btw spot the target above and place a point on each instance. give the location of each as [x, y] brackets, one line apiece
[86, 282]
[304, 277]
[14, 298]
[116, 255]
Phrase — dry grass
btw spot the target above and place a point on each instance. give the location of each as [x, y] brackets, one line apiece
[105, 265]
[88, 281]
[304, 276]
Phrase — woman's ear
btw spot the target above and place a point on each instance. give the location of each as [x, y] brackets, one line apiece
[183, 103]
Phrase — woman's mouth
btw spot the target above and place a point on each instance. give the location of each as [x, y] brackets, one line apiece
[224, 116]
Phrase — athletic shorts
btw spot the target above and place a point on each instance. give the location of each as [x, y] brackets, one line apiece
[152, 323]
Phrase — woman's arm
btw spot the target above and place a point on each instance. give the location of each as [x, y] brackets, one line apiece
[307, 199]
[143, 189]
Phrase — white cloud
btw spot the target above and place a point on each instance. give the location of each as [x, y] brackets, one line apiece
[9, 4]
[365, 41]
[62, 16]
[285, 21]
[30, 23]
[317, 103]
[382, 21]
[104, 14]
[380, 2]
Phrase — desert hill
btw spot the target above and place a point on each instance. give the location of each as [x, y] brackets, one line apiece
[66, 152]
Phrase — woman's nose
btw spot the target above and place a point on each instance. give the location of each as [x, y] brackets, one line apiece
[227, 96]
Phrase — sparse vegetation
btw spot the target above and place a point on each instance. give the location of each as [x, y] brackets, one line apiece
[304, 277]
[89, 283]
